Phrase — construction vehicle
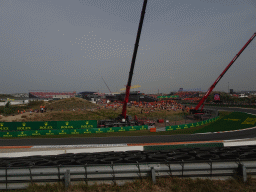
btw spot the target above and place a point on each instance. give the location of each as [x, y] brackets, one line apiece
[118, 122]
[201, 113]
[146, 121]
[124, 119]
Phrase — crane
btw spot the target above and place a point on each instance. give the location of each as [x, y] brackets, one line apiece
[201, 102]
[123, 119]
[106, 85]
[128, 86]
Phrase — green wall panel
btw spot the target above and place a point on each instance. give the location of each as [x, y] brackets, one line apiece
[6, 126]
[77, 124]
[190, 125]
[68, 131]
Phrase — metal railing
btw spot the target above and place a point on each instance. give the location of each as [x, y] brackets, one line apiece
[20, 178]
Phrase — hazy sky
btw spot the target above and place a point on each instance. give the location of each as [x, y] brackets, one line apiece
[68, 45]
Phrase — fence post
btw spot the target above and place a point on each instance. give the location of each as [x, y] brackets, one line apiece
[6, 185]
[138, 165]
[242, 172]
[59, 172]
[113, 174]
[85, 169]
[67, 178]
[153, 175]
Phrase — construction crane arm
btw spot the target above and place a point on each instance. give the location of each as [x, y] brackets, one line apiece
[106, 85]
[201, 102]
[128, 86]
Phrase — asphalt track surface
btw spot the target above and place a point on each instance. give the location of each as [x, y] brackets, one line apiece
[137, 139]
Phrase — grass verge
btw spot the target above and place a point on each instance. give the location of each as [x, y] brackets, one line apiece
[233, 121]
[170, 184]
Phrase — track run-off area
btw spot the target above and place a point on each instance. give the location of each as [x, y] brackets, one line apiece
[139, 140]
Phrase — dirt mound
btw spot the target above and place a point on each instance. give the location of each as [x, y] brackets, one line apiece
[69, 104]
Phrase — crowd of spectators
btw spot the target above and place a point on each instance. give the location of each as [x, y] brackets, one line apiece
[146, 107]
[187, 94]
[194, 100]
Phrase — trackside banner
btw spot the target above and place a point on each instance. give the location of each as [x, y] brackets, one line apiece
[190, 125]
[168, 97]
[47, 125]
[67, 131]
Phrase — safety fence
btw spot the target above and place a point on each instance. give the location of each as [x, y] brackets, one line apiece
[190, 125]
[21, 177]
[65, 130]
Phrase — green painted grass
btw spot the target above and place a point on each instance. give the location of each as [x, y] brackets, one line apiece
[233, 121]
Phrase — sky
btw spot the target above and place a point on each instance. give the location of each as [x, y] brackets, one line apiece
[64, 45]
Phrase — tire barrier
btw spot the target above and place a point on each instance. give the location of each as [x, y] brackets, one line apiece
[165, 151]
[65, 162]
[186, 150]
[229, 156]
[157, 158]
[108, 160]
[175, 153]
[207, 156]
[248, 155]
[184, 157]
[43, 162]
[148, 153]
[196, 154]
[135, 159]
[134, 152]
[20, 164]
[87, 160]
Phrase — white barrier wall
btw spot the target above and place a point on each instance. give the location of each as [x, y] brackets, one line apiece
[16, 102]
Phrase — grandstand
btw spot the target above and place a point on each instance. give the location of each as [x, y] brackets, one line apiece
[148, 98]
[51, 95]
[187, 94]
[91, 96]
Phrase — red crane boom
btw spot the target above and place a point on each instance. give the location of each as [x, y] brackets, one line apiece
[201, 102]
[128, 86]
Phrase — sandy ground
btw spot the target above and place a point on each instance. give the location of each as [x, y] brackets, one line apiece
[17, 117]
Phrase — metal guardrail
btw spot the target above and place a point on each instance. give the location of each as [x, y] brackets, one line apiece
[20, 178]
